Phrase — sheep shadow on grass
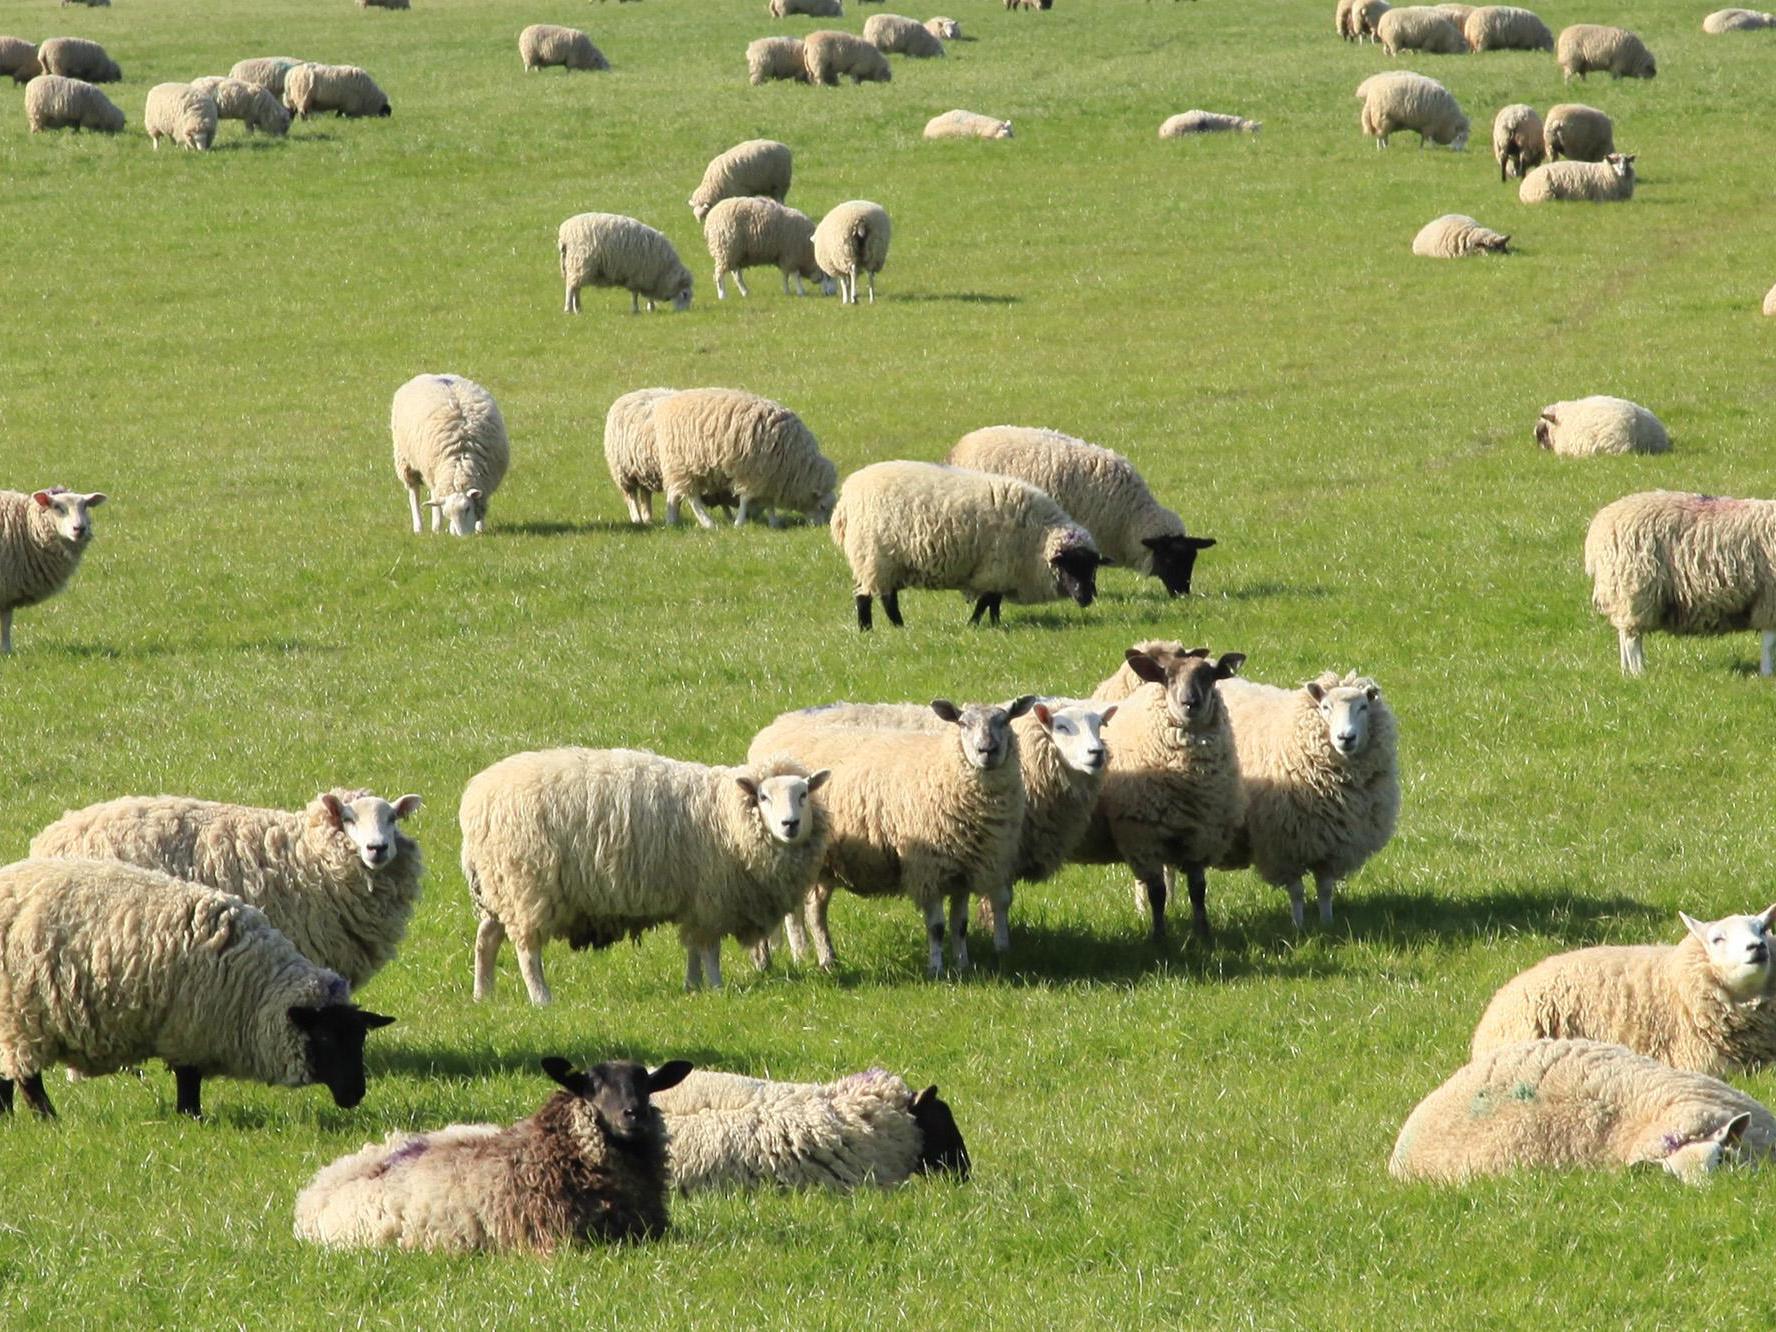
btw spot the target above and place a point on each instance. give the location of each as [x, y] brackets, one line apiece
[427, 1063]
[1574, 918]
[547, 528]
[960, 297]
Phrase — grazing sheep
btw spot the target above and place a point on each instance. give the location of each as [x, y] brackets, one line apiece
[830, 56]
[53, 102]
[851, 239]
[945, 29]
[42, 535]
[1770, 301]
[269, 72]
[544, 44]
[450, 437]
[1365, 18]
[961, 124]
[1577, 1104]
[1737, 20]
[77, 58]
[1587, 427]
[1405, 101]
[629, 450]
[18, 59]
[254, 106]
[726, 441]
[724, 1131]
[776, 58]
[610, 250]
[1206, 122]
[104, 965]
[895, 34]
[596, 845]
[1584, 47]
[1506, 28]
[1684, 564]
[806, 8]
[1344, 21]
[589, 1167]
[757, 167]
[1518, 144]
[1707, 1004]
[1100, 489]
[1456, 236]
[1608, 181]
[179, 112]
[1457, 14]
[925, 817]
[345, 90]
[914, 524]
[1420, 28]
[742, 233]
[1579, 133]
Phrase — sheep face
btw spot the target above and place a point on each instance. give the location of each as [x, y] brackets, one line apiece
[1076, 573]
[617, 1092]
[940, 1141]
[68, 510]
[1544, 431]
[1694, 1160]
[1174, 560]
[681, 294]
[465, 511]
[333, 1047]
[1738, 949]
[369, 822]
[1192, 701]
[984, 730]
[1622, 165]
[782, 804]
[1076, 732]
[1345, 710]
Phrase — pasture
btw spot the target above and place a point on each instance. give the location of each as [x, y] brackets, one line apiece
[1191, 1137]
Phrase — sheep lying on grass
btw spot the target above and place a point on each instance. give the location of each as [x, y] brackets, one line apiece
[1186, 123]
[1737, 20]
[43, 536]
[1587, 427]
[961, 124]
[1608, 181]
[1457, 236]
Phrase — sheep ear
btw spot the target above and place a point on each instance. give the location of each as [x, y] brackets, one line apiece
[1314, 691]
[1145, 667]
[749, 786]
[1201, 543]
[669, 1074]
[563, 1073]
[1733, 1130]
[1769, 917]
[431, 504]
[1699, 928]
[1043, 715]
[816, 780]
[95, 499]
[335, 810]
[1109, 712]
[945, 710]
[927, 1096]
[1020, 705]
[475, 495]
[371, 1021]
[1228, 666]
[42, 498]
[407, 804]
[1197, 652]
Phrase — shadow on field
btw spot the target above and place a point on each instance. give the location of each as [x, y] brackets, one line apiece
[1560, 914]
[1265, 591]
[427, 1062]
[960, 297]
[1047, 956]
[550, 529]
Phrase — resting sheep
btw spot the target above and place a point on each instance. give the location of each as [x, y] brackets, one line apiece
[544, 44]
[268, 72]
[42, 538]
[1506, 28]
[610, 250]
[895, 34]
[18, 59]
[1406, 101]
[1737, 20]
[345, 90]
[729, 442]
[1584, 47]
[246, 102]
[1608, 181]
[1587, 427]
[450, 437]
[1579, 133]
[945, 29]
[1420, 28]
[757, 167]
[961, 124]
[851, 239]
[830, 56]
[1457, 236]
[1186, 123]
[77, 58]
[179, 112]
[53, 102]
[776, 58]
[1518, 142]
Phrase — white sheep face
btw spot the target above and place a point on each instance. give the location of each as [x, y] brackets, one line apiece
[1693, 1161]
[369, 822]
[783, 804]
[1738, 949]
[1077, 734]
[69, 511]
[1345, 710]
[463, 511]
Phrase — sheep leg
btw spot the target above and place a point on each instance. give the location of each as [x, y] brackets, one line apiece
[573, 300]
[190, 1090]
[740, 282]
[934, 934]
[701, 514]
[998, 903]
[413, 503]
[1198, 879]
[5, 1096]
[872, 285]
[988, 604]
[1633, 660]
[795, 935]
[489, 935]
[437, 520]
[671, 511]
[1323, 885]
[891, 607]
[1767, 657]
[693, 968]
[1297, 907]
[720, 294]
[530, 966]
[1154, 882]
[644, 508]
[635, 303]
[745, 512]
[959, 930]
[761, 955]
[712, 965]
[864, 616]
[5, 632]
[36, 1097]
[819, 899]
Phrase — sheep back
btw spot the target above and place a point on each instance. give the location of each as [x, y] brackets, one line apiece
[77, 58]
[269, 72]
[544, 44]
[1506, 28]
[1584, 47]
[344, 90]
[1722, 20]
[806, 8]
[852, 238]
[1587, 427]
[237, 99]
[1420, 28]
[1519, 142]
[776, 58]
[179, 112]
[716, 441]
[1399, 100]
[1577, 182]
[18, 59]
[961, 124]
[1206, 122]
[610, 250]
[629, 450]
[53, 102]
[1456, 236]
[449, 434]
[829, 56]
[756, 167]
[1684, 564]
[744, 232]
[899, 35]
[1581, 133]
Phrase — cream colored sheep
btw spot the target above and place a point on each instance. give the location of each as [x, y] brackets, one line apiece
[945, 29]
[269, 72]
[1584, 47]
[776, 58]
[756, 167]
[806, 8]
[1186, 123]
[1579, 133]
[961, 124]
[179, 112]
[449, 436]
[1114, 688]
[1344, 20]
[1586, 427]
[254, 106]
[1405, 101]
[895, 34]
[344, 90]
[542, 45]
[610, 250]
[831, 56]
[43, 536]
[744, 233]
[1365, 17]
[851, 239]
[77, 58]
[1456, 14]
[18, 59]
[1737, 20]
[1457, 236]
[1518, 142]
[1420, 28]
[1506, 28]
[629, 450]
[1608, 181]
[1770, 301]
[53, 102]
[726, 441]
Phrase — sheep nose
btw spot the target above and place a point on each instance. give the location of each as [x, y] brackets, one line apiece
[790, 826]
[1347, 740]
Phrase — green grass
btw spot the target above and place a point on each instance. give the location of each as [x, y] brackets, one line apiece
[1195, 1139]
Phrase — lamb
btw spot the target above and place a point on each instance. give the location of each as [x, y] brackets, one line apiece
[254, 106]
[77, 58]
[725, 441]
[179, 112]
[1365, 18]
[594, 845]
[1420, 28]
[724, 1131]
[544, 44]
[1737, 20]
[898, 35]
[1706, 1004]
[1518, 143]
[629, 450]
[1506, 28]
[807, 8]
[1456, 236]
[851, 239]
[338, 878]
[53, 103]
[1100, 489]
[926, 817]
[1206, 122]
[43, 534]
[742, 233]
[269, 72]
[589, 1167]
[1402, 100]
[18, 59]
[1684, 564]
[913, 524]
[961, 124]
[756, 167]
[104, 965]
[829, 56]
[1577, 1104]
[1608, 181]
[946, 29]
[344, 90]
[1584, 47]
[610, 250]
[450, 437]
[1587, 427]
[1580, 133]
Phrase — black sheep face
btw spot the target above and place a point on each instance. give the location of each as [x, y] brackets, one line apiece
[1076, 573]
[333, 1047]
[940, 1142]
[1189, 682]
[617, 1092]
[1174, 560]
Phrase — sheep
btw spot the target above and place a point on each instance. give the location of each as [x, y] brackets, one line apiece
[104, 965]
[724, 1131]
[1770, 301]
[179, 112]
[726, 441]
[610, 250]
[1458, 15]
[776, 58]
[899, 35]
[18, 59]
[450, 437]
[1506, 28]
[851, 239]
[1456, 236]
[925, 817]
[269, 72]
[77, 58]
[1608, 181]
[544, 44]
[42, 535]
[1587, 427]
[1684, 564]
[1344, 20]
[1419, 28]
[1100, 489]
[1402, 100]
[90, 4]
[830, 56]
[1365, 17]
[913, 524]
[1583, 47]
[344, 90]
[945, 29]
[338, 877]
[742, 233]
[593, 845]
[629, 450]
[1029, 4]
[961, 124]
[1579, 133]
[1578, 1104]
[53, 102]
[1206, 122]
[1737, 20]
[1114, 688]
[1706, 1004]
[589, 1167]
[1518, 143]
[806, 8]
[1321, 774]
[254, 106]
[757, 167]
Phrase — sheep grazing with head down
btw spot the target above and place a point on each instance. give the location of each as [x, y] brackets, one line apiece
[43, 536]
[53, 102]
[181, 113]
[1518, 141]
[268, 72]
[728, 442]
[629, 450]
[806, 8]
[851, 239]
[771, 58]
[1608, 181]
[449, 437]
[543, 45]
[1420, 28]
[744, 233]
[610, 250]
[831, 56]
[1457, 236]
[1506, 28]
[248, 103]
[345, 90]
[758, 167]
[895, 34]
[1401, 100]
[1587, 427]
[1365, 17]
[18, 59]
[1579, 133]
[77, 58]
[589, 1167]
[1585, 47]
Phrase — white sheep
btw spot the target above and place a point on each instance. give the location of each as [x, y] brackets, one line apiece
[1114, 688]
[1456, 14]
[851, 239]
[1608, 181]
[42, 538]
[1400, 100]
[248, 103]
[1186, 123]
[1099, 489]
[1737, 20]
[743, 233]
[1684, 564]
[77, 58]
[1506, 28]
[1519, 142]
[542, 45]
[831, 56]
[590, 1166]
[595, 845]
[339, 878]
[105, 965]
[53, 102]
[1365, 17]
[1578, 1104]
[946, 29]
[1420, 28]
[449, 436]
[1707, 1004]
[725, 1131]
[1344, 20]
[1770, 301]
[268, 72]
[1457, 236]
[179, 112]
[895, 34]
[961, 124]
[776, 58]
[1586, 427]
[610, 250]
[729, 442]
[1584, 47]
[629, 450]
[806, 8]
[18, 59]
[756, 167]
[344, 90]
[1578, 132]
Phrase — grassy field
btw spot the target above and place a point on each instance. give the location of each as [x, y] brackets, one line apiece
[1194, 1138]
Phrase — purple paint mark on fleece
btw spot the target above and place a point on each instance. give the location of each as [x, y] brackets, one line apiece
[406, 1152]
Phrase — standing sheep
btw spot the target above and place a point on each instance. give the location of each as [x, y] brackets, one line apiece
[1420, 28]
[450, 437]
[629, 450]
[831, 56]
[42, 537]
[1115, 688]
[596, 845]
[1518, 142]
[589, 1167]
[1457, 236]
[1457, 14]
[1344, 20]
[345, 90]
[544, 44]
[1186, 123]
[77, 58]
[853, 239]
[1407, 101]
[1608, 181]
[806, 8]
[742, 233]
[104, 965]
[895, 34]
[961, 124]
[1579, 133]
[1506, 28]
[18, 59]
[756, 167]
[610, 250]
[1600, 424]
[776, 58]
[179, 112]
[1584, 47]
[1365, 18]
[268, 72]
[338, 878]
[913, 524]
[1737, 20]
[254, 106]
[53, 102]
[725, 441]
